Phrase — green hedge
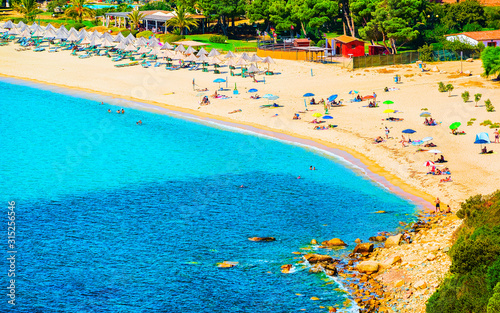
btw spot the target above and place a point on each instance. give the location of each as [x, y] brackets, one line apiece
[217, 39]
[146, 34]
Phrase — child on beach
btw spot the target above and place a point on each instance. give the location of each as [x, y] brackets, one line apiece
[438, 205]
[387, 131]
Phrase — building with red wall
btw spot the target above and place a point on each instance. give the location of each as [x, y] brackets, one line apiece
[347, 46]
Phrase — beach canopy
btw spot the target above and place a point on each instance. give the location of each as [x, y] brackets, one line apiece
[353, 92]
[435, 151]
[253, 90]
[409, 131]
[455, 125]
[309, 94]
[429, 163]
[426, 139]
[327, 117]
[388, 102]
[201, 52]
[230, 55]
[482, 138]
[253, 69]
[213, 53]
[425, 114]
[332, 98]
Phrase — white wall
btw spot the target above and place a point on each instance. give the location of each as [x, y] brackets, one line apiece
[463, 39]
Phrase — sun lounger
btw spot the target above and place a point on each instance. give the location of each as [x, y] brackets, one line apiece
[84, 56]
[157, 64]
[55, 49]
[116, 59]
[39, 49]
[195, 67]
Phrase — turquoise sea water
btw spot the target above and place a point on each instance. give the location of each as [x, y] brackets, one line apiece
[116, 217]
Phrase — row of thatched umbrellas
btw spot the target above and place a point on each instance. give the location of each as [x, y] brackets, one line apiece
[129, 43]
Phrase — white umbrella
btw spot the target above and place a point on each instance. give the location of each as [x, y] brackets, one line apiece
[152, 40]
[50, 27]
[179, 48]
[168, 54]
[427, 139]
[214, 60]
[62, 33]
[72, 29]
[253, 69]
[49, 34]
[189, 50]
[434, 151]
[213, 53]
[143, 49]
[8, 24]
[119, 38]
[26, 33]
[107, 43]
[85, 41]
[201, 52]
[255, 58]
[130, 48]
[20, 24]
[14, 31]
[231, 62]
[33, 26]
[179, 56]
[153, 44]
[83, 32]
[72, 37]
[230, 55]
[245, 57]
[167, 46]
[192, 58]
[95, 42]
[130, 37]
[121, 46]
[269, 61]
[3, 30]
[241, 62]
[155, 51]
[38, 33]
[108, 36]
[96, 34]
[141, 41]
[203, 58]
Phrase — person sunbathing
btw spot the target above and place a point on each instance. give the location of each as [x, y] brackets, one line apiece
[296, 116]
[215, 95]
[315, 121]
[313, 102]
[255, 97]
[485, 151]
[235, 111]
[379, 139]
[320, 127]
[441, 159]
[358, 98]
[430, 144]
[372, 104]
[322, 101]
[444, 180]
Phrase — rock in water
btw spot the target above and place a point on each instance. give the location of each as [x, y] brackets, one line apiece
[314, 242]
[316, 258]
[393, 241]
[364, 248]
[262, 239]
[378, 238]
[286, 268]
[358, 240]
[368, 267]
[335, 242]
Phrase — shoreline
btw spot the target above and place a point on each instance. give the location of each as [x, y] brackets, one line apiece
[354, 159]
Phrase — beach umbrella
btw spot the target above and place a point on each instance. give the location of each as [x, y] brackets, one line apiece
[203, 58]
[214, 61]
[26, 33]
[61, 34]
[317, 114]
[482, 138]
[200, 94]
[141, 41]
[180, 48]
[271, 98]
[368, 97]
[72, 37]
[201, 52]
[327, 117]
[253, 69]
[426, 139]
[230, 55]
[309, 94]
[8, 25]
[108, 36]
[121, 46]
[95, 42]
[219, 81]
[388, 111]
[21, 24]
[252, 90]
[425, 114]
[143, 49]
[82, 32]
[50, 27]
[3, 30]
[242, 62]
[167, 46]
[213, 53]
[353, 92]
[189, 50]
[245, 57]
[267, 95]
[85, 41]
[428, 163]
[130, 37]
[231, 62]
[119, 38]
[192, 58]
[37, 33]
[106, 42]
[409, 131]
[49, 34]
[332, 98]
[14, 31]
[154, 44]
[255, 58]
[388, 102]
[130, 48]
[455, 125]
[32, 27]
[269, 61]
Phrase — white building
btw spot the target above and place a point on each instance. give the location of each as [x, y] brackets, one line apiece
[490, 38]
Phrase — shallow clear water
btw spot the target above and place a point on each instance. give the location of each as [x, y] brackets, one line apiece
[116, 217]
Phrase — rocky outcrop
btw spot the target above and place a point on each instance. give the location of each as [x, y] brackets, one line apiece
[378, 238]
[335, 242]
[318, 258]
[286, 268]
[393, 241]
[368, 267]
[364, 248]
[321, 262]
[262, 239]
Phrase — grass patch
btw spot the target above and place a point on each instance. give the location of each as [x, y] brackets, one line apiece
[230, 44]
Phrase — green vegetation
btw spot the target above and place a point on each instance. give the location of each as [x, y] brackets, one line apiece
[449, 88]
[477, 97]
[218, 39]
[182, 20]
[491, 61]
[135, 18]
[230, 44]
[425, 53]
[441, 87]
[465, 96]
[78, 10]
[475, 268]
[157, 5]
[489, 106]
[145, 34]
[29, 8]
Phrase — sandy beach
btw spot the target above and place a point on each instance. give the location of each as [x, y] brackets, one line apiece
[472, 173]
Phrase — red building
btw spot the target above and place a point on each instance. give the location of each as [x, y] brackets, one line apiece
[376, 49]
[347, 46]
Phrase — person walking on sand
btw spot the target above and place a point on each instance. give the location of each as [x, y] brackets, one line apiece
[387, 132]
[438, 205]
[496, 135]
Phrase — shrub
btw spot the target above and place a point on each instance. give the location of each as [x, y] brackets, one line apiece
[494, 302]
[170, 38]
[472, 27]
[489, 106]
[79, 26]
[493, 275]
[321, 43]
[125, 33]
[465, 96]
[217, 39]
[425, 53]
[449, 88]
[312, 43]
[145, 34]
[441, 87]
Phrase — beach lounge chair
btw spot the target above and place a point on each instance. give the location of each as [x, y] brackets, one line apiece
[157, 64]
[195, 67]
[116, 59]
[40, 49]
[54, 49]
[84, 56]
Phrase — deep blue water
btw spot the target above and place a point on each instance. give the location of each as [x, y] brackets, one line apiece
[116, 217]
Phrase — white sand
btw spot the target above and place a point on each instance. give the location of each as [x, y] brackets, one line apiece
[472, 173]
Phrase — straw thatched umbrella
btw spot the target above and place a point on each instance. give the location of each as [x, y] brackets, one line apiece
[192, 58]
[203, 59]
[49, 33]
[8, 25]
[14, 31]
[245, 57]
[153, 44]
[230, 55]
[72, 37]
[214, 61]
[241, 62]
[25, 34]
[269, 61]
[95, 41]
[201, 52]
[121, 46]
[83, 32]
[38, 33]
[85, 40]
[130, 37]
[253, 69]
[167, 46]
[21, 24]
[141, 41]
[143, 49]
[213, 53]
[108, 36]
[180, 48]
[33, 26]
[189, 50]
[130, 48]
[255, 58]
[107, 43]
[119, 38]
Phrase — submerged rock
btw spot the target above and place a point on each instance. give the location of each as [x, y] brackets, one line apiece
[364, 248]
[317, 258]
[335, 242]
[262, 239]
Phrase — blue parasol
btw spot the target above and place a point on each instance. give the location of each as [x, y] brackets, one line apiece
[409, 131]
[482, 138]
[353, 92]
[253, 90]
[308, 95]
[332, 98]
[327, 117]
[267, 95]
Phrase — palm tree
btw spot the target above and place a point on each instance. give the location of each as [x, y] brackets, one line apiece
[135, 18]
[181, 20]
[27, 7]
[79, 10]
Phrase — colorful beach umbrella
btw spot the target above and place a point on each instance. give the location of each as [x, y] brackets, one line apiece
[455, 125]
[253, 90]
[353, 92]
[388, 102]
[388, 111]
[309, 94]
[327, 117]
[317, 114]
[332, 98]
[409, 131]
[219, 81]
[425, 114]
[429, 163]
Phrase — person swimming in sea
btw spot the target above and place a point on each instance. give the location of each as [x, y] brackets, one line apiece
[139, 122]
[109, 110]
[123, 111]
